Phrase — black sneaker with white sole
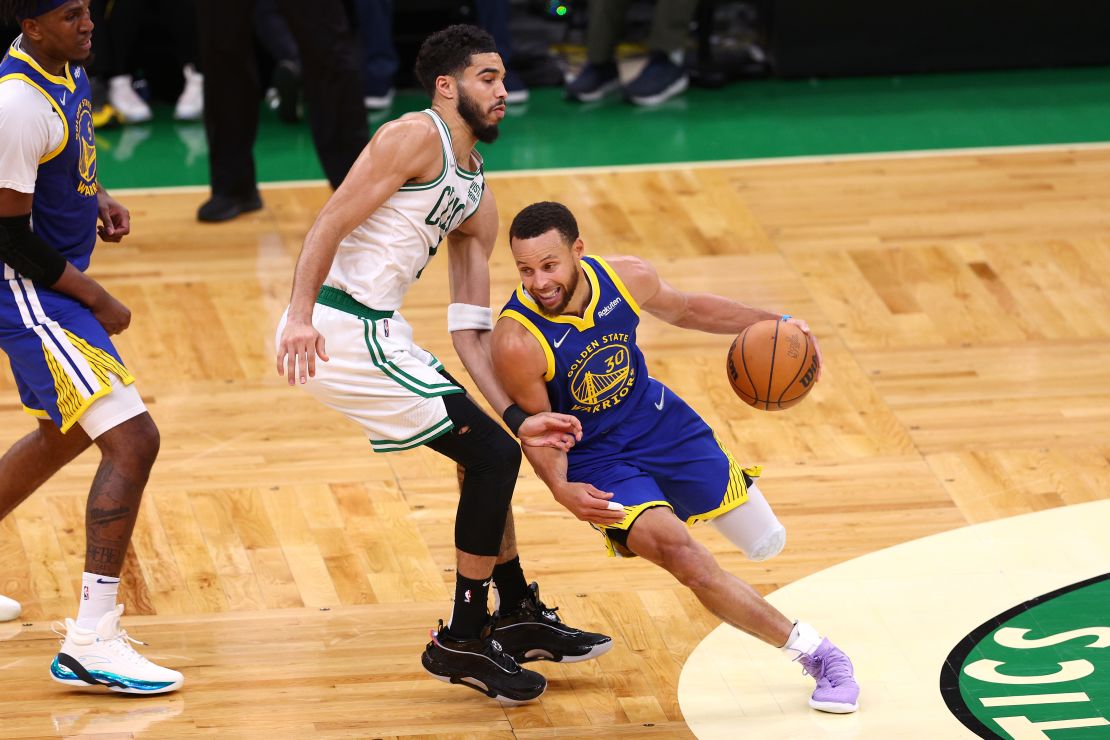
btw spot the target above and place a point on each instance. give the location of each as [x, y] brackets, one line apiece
[481, 664]
[533, 631]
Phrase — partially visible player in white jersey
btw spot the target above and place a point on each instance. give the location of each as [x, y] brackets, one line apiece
[420, 181]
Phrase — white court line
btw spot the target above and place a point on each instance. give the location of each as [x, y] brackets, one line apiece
[709, 164]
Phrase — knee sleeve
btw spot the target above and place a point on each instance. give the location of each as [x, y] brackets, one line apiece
[490, 461]
[753, 527]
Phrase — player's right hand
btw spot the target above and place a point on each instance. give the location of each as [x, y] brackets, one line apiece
[112, 315]
[300, 343]
[589, 504]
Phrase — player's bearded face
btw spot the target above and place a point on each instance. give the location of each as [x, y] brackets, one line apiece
[480, 118]
[567, 285]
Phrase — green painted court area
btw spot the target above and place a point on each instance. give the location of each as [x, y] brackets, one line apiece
[1046, 668]
[758, 119]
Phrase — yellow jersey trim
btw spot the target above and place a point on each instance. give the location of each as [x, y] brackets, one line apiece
[57, 108]
[587, 319]
[534, 330]
[630, 516]
[736, 493]
[37, 413]
[66, 82]
[620, 285]
[71, 404]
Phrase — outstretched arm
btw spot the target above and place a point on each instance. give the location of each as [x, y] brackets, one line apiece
[521, 365]
[702, 311]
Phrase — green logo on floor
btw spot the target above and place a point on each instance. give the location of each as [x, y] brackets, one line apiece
[1042, 666]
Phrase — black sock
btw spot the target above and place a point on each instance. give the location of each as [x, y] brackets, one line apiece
[470, 613]
[508, 578]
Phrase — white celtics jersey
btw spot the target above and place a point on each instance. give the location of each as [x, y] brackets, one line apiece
[378, 261]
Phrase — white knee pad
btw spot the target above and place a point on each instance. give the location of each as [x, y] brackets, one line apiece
[753, 527]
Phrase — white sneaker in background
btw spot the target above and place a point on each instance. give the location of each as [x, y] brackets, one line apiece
[190, 105]
[104, 657]
[122, 97]
[9, 609]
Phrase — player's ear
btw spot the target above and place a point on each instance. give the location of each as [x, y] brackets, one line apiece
[578, 248]
[446, 86]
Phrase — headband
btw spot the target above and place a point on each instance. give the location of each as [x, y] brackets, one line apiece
[42, 7]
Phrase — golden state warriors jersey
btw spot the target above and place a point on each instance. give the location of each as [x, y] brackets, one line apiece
[64, 210]
[595, 371]
[378, 261]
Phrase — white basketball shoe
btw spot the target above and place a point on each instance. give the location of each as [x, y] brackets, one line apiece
[104, 657]
[9, 609]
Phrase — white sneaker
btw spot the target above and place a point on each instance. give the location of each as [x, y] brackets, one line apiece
[122, 96]
[9, 609]
[190, 105]
[104, 657]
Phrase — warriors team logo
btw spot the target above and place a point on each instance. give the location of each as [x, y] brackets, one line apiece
[602, 375]
[86, 156]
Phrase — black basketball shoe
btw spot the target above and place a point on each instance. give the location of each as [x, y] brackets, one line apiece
[481, 664]
[532, 631]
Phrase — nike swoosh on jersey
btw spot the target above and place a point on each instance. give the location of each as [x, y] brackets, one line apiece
[560, 340]
[662, 395]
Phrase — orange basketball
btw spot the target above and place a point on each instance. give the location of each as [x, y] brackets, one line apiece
[772, 365]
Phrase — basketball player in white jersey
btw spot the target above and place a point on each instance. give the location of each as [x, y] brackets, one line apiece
[418, 181]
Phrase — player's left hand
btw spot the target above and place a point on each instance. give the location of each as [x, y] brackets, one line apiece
[548, 429]
[115, 219]
[801, 324]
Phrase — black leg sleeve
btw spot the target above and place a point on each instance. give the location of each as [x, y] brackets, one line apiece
[490, 459]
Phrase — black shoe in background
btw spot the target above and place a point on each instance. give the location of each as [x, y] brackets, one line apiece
[532, 631]
[224, 208]
[481, 664]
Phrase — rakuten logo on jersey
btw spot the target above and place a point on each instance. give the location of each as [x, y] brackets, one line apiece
[608, 309]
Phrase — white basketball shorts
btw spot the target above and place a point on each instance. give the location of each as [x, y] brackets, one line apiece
[377, 377]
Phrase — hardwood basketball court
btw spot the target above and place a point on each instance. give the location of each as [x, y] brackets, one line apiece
[292, 575]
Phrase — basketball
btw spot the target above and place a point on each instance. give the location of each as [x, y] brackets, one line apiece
[772, 365]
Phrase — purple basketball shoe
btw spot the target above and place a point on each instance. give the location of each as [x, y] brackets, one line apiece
[837, 690]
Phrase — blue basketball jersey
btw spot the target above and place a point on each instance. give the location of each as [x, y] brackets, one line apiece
[595, 371]
[64, 209]
[640, 441]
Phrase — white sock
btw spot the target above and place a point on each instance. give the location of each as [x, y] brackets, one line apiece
[803, 640]
[98, 597]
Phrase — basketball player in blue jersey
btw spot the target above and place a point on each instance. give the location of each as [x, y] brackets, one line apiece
[647, 466]
[54, 327]
[417, 183]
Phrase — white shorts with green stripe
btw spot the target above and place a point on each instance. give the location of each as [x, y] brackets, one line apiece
[380, 379]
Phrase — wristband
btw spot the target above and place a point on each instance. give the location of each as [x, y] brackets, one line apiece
[463, 316]
[513, 417]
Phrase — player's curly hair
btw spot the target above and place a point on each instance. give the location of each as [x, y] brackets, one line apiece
[448, 52]
[12, 10]
[539, 218]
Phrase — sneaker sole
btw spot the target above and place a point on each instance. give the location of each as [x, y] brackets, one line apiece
[541, 654]
[676, 87]
[473, 683]
[833, 707]
[82, 679]
[598, 94]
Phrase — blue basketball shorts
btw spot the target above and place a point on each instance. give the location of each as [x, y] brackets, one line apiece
[60, 355]
[664, 454]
